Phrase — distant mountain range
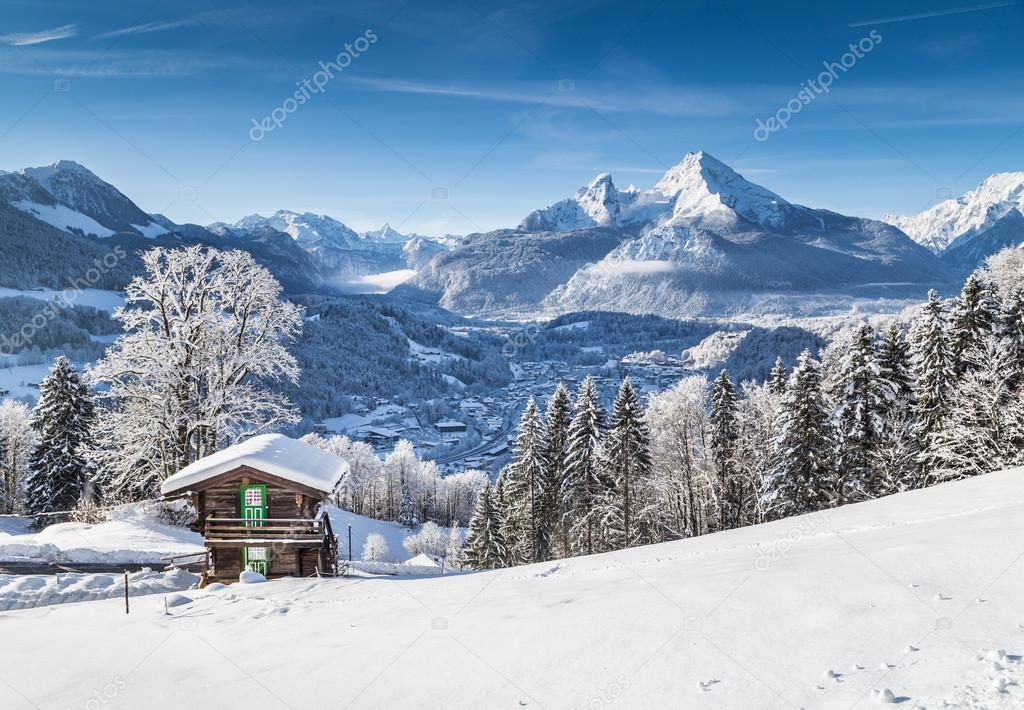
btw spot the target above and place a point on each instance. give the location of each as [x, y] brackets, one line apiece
[307, 252]
[702, 240]
[967, 229]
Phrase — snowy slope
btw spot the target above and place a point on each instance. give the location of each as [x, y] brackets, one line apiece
[72, 198]
[996, 198]
[918, 594]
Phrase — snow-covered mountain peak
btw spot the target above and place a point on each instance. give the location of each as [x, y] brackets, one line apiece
[704, 190]
[70, 197]
[387, 233]
[601, 201]
[306, 228]
[45, 173]
[699, 191]
[1000, 187]
[694, 169]
[975, 212]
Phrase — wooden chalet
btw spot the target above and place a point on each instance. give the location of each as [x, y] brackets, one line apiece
[260, 506]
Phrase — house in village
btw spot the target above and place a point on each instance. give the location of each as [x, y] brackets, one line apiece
[260, 507]
[450, 426]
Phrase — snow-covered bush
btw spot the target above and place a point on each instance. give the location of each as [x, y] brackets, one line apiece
[430, 540]
[375, 549]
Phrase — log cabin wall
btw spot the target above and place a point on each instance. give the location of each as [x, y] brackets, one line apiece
[222, 500]
[293, 561]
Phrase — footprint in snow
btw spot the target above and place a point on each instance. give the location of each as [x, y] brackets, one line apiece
[940, 597]
[911, 649]
[885, 696]
[706, 685]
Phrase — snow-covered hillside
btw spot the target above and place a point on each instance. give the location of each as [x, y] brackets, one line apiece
[915, 598]
[72, 198]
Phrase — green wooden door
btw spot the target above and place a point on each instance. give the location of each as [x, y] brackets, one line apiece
[254, 505]
[256, 559]
[254, 513]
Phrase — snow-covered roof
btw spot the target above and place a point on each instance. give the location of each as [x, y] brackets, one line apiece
[422, 560]
[275, 454]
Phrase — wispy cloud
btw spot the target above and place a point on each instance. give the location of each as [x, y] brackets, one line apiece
[934, 13]
[158, 26]
[662, 100]
[21, 39]
[138, 64]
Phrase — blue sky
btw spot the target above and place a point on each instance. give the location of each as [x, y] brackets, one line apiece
[507, 107]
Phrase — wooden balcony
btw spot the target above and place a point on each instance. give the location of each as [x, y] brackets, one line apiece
[246, 531]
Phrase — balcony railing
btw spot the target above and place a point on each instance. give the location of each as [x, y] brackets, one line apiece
[276, 529]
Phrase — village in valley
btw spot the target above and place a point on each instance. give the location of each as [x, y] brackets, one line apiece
[480, 431]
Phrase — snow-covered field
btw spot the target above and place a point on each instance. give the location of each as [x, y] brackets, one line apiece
[18, 380]
[132, 537]
[917, 597]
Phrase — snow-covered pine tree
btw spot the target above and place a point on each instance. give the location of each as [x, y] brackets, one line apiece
[777, 378]
[485, 545]
[526, 487]
[802, 479]
[858, 418]
[984, 430]
[1011, 330]
[894, 368]
[62, 419]
[581, 484]
[557, 420]
[627, 459]
[974, 314]
[894, 457]
[932, 363]
[725, 431]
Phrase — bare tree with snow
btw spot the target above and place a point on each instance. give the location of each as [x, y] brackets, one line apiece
[17, 441]
[205, 341]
